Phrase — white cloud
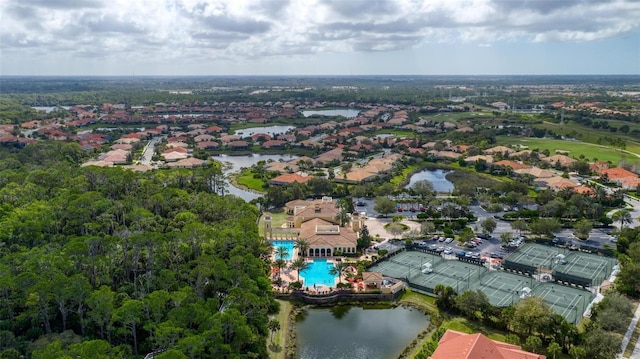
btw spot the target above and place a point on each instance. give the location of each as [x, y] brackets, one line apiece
[236, 30]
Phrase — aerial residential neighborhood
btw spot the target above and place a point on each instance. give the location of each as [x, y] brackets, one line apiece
[474, 210]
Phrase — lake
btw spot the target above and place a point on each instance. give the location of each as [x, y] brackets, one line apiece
[48, 109]
[233, 164]
[346, 332]
[437, 177]
[270, 130]
[344, 112]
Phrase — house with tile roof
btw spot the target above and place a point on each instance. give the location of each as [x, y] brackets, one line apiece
[623, 178]
[500, 150]
[458, 345]
[512, 164]
[562, 160]
[187, 163]
[315, 222]
[535, 172]
[290, 178]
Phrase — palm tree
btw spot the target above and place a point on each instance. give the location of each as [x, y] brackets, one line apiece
[622, 216]
[282, 252]
[280, 263]
[343, 216]
[303, 247]
[273, 326]
[299, 265]
[338, 269]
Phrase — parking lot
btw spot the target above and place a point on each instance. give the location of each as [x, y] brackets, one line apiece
[597, 237]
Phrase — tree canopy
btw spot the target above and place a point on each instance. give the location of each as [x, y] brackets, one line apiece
[118, 263]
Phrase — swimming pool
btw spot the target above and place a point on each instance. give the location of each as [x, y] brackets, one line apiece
[317, 273]
[289, 245]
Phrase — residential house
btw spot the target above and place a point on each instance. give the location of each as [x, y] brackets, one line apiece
[502, 150]
[187, 163]
[474, 159]
[561, 160]
[623, 178]
[290, 178]
[458, 345]
[238, 145]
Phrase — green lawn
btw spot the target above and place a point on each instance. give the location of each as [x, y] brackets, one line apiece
[419, 301]
[589, 150]
[456, 117]
[277, 220]
[397, 133]
[246, 179]
[463, 325]
[279, 336]
[405, 174]
[587, 134]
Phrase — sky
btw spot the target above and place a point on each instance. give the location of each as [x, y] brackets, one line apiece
[319, 37]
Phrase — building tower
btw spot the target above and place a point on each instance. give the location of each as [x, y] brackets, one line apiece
[267, 225]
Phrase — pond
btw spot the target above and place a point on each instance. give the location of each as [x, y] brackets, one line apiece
[233, 164]
[437, 177]
[344, 112]
[357, 332]
[269, 130]
[48, 109]
[237, 162]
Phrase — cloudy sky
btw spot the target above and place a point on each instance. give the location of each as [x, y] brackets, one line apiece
[319, 37]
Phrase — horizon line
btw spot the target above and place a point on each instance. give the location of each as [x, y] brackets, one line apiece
[317, 75]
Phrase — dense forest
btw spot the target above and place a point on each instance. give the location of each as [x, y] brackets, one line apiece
[110, 263]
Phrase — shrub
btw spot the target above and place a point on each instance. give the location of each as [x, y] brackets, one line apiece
[295, 285]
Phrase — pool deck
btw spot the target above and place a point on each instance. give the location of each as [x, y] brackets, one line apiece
[291, 275]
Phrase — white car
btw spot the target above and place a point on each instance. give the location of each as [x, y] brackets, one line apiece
[449, 250]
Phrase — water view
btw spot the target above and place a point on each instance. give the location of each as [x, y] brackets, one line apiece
[357, 333]
[437, 177]
[48, 109]
[344, 112]
[269, 130]
[237, 162]
[233, 164]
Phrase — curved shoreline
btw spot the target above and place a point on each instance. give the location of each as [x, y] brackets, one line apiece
[233, 180]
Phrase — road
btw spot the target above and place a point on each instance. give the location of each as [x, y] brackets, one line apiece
[147, 152]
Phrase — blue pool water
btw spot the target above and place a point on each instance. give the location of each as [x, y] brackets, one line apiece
[318, 273]
[289, 245]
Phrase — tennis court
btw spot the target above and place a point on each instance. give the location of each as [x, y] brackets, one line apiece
[531, 256]
[567, 301]
[503, 288]
[584, 269]
[405, 264]
[454, 274]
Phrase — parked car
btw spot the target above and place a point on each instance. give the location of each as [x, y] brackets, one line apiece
[448, 250]
[360, 204]
[448, 240]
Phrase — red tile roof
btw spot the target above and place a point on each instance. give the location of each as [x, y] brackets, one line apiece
[289, 178]
[457, 345]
